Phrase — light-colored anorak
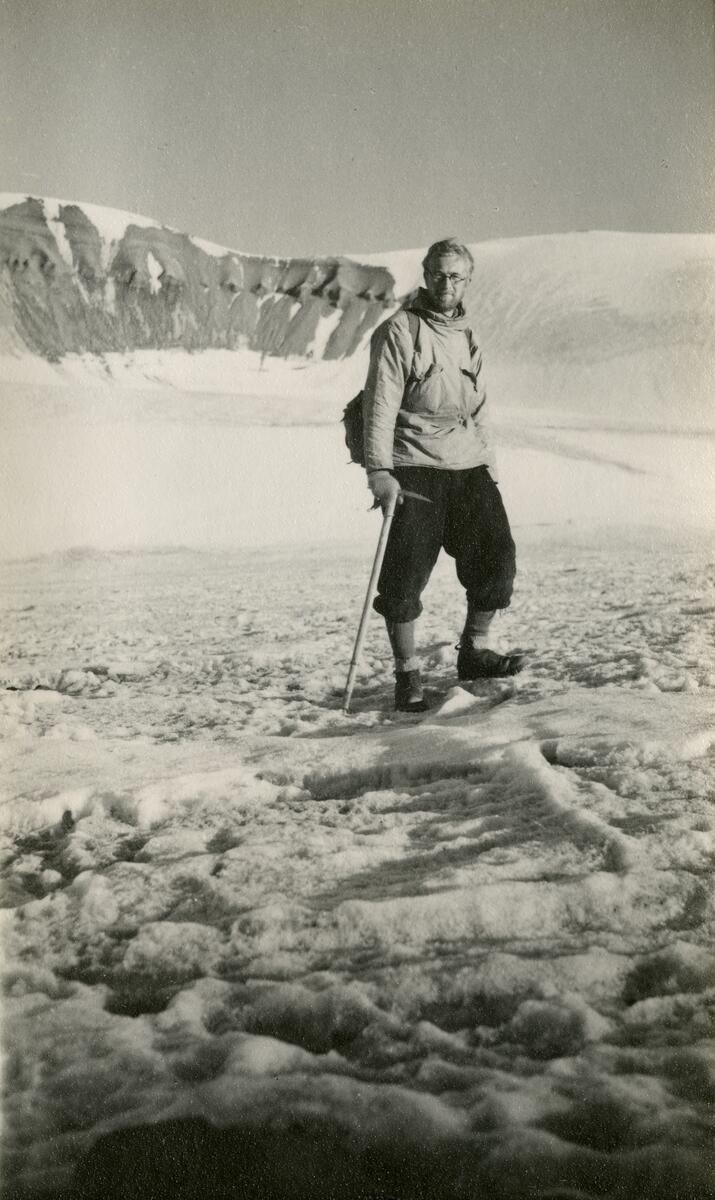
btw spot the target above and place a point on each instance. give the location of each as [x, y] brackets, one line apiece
[424, 401]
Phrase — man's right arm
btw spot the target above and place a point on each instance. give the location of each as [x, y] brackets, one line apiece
[391, 354]
[390, 357]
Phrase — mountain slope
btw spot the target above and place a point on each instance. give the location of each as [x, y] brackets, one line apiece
[611, 323]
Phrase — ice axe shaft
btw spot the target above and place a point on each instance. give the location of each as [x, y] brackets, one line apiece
[369, 597]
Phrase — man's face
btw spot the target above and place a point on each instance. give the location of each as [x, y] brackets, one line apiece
[446, 280]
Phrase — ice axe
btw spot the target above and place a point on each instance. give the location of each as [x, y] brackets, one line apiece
[372, 590]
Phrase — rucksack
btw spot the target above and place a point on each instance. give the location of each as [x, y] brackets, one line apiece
[353, 412]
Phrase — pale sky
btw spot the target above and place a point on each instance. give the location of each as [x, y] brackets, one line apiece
[321, 126]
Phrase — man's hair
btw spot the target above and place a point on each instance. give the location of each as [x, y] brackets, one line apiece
[448, 245]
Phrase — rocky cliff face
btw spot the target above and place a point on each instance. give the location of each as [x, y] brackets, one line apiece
[69, 286]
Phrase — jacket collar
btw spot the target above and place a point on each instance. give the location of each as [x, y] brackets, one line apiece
[421, 306]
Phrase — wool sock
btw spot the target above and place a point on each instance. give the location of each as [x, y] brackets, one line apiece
[476, 628]
[402, 641]
[407, 664]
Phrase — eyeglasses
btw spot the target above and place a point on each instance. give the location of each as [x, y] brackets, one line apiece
[441, 277]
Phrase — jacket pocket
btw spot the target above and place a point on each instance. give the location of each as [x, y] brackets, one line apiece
[426, 394]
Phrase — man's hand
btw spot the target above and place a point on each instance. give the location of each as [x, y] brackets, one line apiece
[383, 486]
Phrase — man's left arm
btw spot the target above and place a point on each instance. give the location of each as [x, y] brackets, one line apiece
[482, 412]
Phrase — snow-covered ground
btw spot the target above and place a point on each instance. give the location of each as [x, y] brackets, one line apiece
[317, 955]
[114, 467]
[394, 957]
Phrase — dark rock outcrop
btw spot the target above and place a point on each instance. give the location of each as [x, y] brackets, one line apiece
[155, 288]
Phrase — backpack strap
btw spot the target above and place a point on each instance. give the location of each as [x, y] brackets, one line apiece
[414, 323]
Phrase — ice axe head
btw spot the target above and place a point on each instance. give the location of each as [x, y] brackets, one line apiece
[401, 494]
[415, 496]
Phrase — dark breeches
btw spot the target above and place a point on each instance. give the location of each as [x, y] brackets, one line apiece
[467, 518]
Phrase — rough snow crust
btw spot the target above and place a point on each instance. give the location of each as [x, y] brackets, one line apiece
[316, 955]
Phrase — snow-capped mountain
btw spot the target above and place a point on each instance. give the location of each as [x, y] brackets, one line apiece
[605, 322]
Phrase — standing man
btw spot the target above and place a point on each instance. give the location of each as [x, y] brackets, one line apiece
[425, 434]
